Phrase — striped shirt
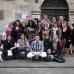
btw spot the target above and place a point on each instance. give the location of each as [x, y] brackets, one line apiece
[37, 46]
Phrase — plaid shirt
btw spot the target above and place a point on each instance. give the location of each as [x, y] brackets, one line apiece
[37, 46]
[23, 42]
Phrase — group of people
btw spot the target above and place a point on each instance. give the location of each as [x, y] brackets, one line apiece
[47, 39]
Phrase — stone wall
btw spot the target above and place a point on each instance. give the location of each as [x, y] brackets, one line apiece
[10, 8]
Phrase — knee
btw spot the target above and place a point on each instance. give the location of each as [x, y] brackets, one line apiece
[49, 51]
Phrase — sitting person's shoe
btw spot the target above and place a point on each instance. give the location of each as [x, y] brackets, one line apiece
[40, 58]
[37, 58]
[1, 60]
[33, 58]
[49, 58]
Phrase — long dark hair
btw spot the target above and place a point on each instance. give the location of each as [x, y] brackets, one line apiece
[25, 38]
[15, 24]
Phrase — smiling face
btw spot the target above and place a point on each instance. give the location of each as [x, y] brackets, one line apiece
[61, 18]
[28, 17]
[55, 24]
[9, 38]
[22, 36]
[17, 23]
[53, 19]
[69, 23]
[45, 17]
[37, 38]
[10, 24]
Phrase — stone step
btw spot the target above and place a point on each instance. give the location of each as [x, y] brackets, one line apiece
[37, 64]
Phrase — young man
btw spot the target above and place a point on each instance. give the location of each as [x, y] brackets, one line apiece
[56, 50]
[48, 48]
[8, 45]
[37, 48]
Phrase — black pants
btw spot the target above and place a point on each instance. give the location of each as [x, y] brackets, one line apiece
[5, 53]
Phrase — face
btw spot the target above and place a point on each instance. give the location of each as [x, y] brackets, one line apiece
[69, 23]
[64, 25]
[17, 22]
[28, 17]
[61, 18]
[22, 36]
[37, 38]
[9, 38]
[53, 19]
[10, 24]
[55, 25]
[23, 24]
[45, 17]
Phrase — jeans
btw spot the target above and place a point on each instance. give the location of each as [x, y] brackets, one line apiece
[23, 52]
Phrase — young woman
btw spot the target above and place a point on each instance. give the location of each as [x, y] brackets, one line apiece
[17, 30]
[66, 35]
[71, 25]
[37, 24]
[56, 50]
[24, 29]
[45, 28]
[9, 29]
[55, 30]
[31, 27]
[23, 46]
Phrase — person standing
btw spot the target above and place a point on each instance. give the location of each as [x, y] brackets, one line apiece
[9, 29]
[17, 30]
[66, 35]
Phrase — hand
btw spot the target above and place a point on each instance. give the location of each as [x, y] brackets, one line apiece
[35, 53]
[1, 48]
[11, 48]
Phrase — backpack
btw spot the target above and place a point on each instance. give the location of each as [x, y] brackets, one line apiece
[59, 59]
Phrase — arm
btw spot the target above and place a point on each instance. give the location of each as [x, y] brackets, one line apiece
[14, 47]
[18, 45]
[1, 48]
[60, 33]
[32, 45]
[28, 45]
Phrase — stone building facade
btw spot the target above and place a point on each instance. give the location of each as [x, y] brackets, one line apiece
[13, 9]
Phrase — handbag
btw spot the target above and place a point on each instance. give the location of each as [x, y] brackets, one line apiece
[10, 53]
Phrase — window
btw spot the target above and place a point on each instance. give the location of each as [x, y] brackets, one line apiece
[18, 15]
[36, 1]
[1, 14]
